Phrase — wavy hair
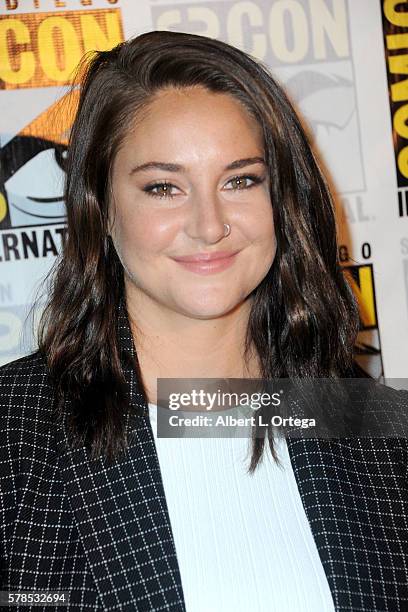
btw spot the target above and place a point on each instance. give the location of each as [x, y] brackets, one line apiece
[304, 318]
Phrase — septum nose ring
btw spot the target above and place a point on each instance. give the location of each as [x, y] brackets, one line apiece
[227, 229]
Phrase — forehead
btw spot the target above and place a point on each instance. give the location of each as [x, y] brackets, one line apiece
[193, 115]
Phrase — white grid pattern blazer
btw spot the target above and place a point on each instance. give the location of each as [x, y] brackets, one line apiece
[103, 532]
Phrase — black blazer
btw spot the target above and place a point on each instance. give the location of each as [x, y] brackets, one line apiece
[103, 532]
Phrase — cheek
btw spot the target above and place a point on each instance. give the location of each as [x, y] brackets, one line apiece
[260, 233]
[259, 227]
[142, 235]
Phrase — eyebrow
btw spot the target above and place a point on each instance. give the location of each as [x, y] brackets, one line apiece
[169, 167]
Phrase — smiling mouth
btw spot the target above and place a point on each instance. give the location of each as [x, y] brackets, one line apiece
[208, 266]
[205, 257]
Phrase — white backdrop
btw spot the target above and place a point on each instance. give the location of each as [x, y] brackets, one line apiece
[344, 65]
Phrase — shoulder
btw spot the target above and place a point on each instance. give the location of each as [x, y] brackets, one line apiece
[28, 429]
[369, 407]
[385, 407]
[33, 363]
[389, 413]
[382, 422]
[24, 379]
[26, 398]
[366, 418]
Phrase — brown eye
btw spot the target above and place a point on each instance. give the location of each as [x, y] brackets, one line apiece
[240, 181]
[164, 190]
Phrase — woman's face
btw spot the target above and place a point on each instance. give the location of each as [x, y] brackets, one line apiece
[162, 213]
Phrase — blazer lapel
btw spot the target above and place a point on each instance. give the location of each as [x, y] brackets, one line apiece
[122, 515]
[338, 491]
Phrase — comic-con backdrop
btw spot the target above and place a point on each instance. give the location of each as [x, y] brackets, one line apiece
[344, 65]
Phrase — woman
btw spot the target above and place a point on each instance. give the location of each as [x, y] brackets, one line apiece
[184, 148]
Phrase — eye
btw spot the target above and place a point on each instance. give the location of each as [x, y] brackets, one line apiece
[165, 188]
[240, 181]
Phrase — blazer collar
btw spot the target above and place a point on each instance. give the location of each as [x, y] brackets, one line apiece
[124, 524]
[121, 511]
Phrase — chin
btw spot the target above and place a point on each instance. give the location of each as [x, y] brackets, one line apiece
[209, 310]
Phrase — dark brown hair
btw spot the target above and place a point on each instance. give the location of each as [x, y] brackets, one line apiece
[304, 318]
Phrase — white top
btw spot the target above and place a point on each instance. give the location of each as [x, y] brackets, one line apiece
[243, 542]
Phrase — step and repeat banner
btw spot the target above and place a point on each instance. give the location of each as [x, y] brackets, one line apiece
[343, 63]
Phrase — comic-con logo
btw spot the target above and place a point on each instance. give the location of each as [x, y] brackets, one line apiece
[395, 27]
[368, 346]
[307, 46]
[39, 53]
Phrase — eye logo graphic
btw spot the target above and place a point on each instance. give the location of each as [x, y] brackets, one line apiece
[28, 195]
[38, 56]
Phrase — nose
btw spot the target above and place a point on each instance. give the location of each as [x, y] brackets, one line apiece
[206, 219]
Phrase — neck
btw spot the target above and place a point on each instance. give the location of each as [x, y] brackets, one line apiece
[172, 345]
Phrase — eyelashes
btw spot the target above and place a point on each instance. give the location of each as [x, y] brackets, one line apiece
[256, 180]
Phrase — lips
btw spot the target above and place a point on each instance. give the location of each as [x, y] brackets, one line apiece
[205, 257]
[207, 263]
